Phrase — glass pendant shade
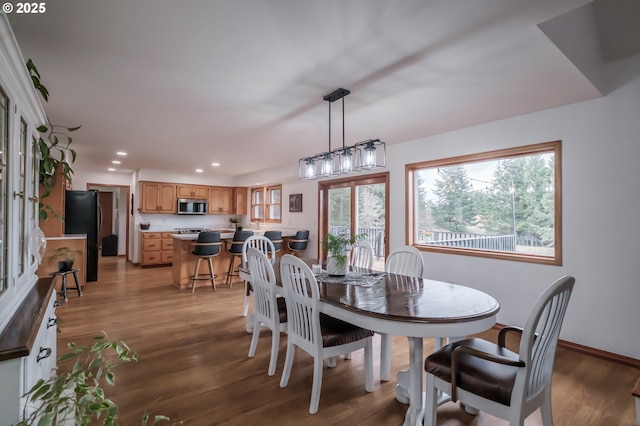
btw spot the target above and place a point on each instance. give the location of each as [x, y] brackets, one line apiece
[307, 168]
[370, 154]
[345, 160]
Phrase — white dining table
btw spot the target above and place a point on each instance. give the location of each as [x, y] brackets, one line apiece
[417, 308]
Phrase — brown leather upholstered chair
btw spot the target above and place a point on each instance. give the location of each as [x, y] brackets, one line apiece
[491, 378]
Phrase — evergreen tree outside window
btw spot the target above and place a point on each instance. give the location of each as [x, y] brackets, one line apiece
[499, 204]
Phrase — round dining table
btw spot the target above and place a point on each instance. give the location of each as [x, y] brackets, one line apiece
[405, 306]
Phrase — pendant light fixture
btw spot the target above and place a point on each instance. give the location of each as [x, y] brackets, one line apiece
[365, 155]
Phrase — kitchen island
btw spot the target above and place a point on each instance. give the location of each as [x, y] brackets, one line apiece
[184, 261]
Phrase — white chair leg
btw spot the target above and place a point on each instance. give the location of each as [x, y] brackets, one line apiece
[368, 365]
[317, 385]
[431, 402]
[275, 345]
[347, 355]
[254, 338]
[288, 363]
[331, 362]
[385, 357]
[545, 409]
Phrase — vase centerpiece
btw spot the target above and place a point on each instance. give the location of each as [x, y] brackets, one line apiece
[338, 247]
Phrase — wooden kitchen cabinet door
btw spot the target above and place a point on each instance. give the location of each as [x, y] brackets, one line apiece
[168, 199]
[157, 197]
[192, 191]
[220, 200]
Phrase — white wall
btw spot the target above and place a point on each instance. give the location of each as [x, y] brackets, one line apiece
[601, 205]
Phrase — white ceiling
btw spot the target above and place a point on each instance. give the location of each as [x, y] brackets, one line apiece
[179, 85]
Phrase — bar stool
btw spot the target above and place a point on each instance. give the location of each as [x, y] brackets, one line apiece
[298, 243]
[206, 246]
[235, 252]
[63, 289]
[276, 238]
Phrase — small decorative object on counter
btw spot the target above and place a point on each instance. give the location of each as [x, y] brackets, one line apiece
[145, 225]
[235, 221]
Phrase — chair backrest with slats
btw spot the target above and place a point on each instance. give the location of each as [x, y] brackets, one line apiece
[539, 340]
[263, 280]
[362, 255]
[405, 260]
[301, 293]
[261, 243]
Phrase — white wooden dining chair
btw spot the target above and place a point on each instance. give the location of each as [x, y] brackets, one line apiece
[362, 255]
[489, 377]
[319, 335]
[404, 260]
[269, 310]
[266, 246]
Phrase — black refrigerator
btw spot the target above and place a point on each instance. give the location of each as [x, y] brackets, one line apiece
[81, 216]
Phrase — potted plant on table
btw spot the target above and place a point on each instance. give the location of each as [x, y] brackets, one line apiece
[65, 257]
[234, 220]
[338, 247]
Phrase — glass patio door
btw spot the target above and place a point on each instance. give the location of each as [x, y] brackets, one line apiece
[357, 206]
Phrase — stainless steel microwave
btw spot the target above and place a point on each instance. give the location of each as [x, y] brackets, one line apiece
[189, 206]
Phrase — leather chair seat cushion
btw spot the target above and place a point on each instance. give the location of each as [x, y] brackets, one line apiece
[485, 378]
[282, 309]
[337, 332]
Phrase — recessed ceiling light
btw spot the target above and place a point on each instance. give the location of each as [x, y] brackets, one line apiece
[121, 153]
[198, 170]
[116, 162]
[215, 164]
[111, 169]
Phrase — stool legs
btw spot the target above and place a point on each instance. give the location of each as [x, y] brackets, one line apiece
[195, 276]
[230, 273]
[64, 288]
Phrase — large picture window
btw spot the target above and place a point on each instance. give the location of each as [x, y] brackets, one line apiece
[266, 204]
[499, 204]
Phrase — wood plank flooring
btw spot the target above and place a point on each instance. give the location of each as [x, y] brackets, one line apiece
[194, 367]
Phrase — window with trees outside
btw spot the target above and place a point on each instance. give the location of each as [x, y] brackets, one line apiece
[266, 204]
[501, 204]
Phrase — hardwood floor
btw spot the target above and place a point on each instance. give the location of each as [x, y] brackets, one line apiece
[194, 367]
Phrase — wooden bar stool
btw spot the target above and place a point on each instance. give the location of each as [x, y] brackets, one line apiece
[298, 244]
[206, 246]
[235, 252]
[63, 289]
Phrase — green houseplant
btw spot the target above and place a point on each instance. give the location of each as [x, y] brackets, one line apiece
[234, 220]
[338, 247]
[78, 394]
[54, 148]
[65, 257]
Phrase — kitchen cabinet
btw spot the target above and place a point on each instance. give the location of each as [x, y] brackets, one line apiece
[221, 200]
[241, 200]
[157, 248]
[192, 191]
[157, 197]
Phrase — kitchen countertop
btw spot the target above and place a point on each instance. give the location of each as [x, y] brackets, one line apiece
[69, 237]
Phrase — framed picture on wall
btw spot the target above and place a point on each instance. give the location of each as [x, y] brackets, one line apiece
[295, 202]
